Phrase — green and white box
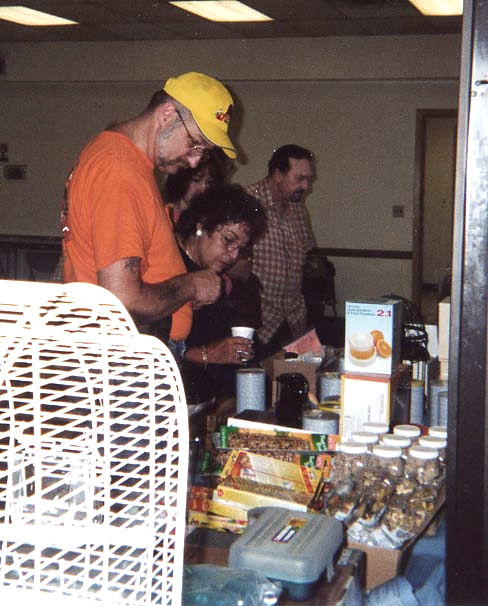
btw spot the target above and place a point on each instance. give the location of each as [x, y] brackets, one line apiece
[373, 336]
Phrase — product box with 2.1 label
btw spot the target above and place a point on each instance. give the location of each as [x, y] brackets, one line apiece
[373, 335]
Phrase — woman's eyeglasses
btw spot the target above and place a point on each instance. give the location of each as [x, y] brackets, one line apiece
[197, 148]
[233, 244]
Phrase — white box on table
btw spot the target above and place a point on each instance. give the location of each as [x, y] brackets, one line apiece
[373, 336]
[374, 398]
[444, 309]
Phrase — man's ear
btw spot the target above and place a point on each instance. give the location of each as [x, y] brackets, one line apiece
[277, 175]
[165, 113]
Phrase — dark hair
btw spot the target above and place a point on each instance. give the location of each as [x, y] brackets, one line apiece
[281, 157]
[176, 185]
[221, 205]
[158, 98]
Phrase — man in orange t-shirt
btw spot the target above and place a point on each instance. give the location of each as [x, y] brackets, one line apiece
[116, 231]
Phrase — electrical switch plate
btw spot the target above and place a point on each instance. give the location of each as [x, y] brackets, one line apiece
[398, 211]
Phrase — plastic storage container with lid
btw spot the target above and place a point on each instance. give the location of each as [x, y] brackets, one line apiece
[393, 439]
[438, 431]
[423, 463]
[289, 546]
[387, 462]
[409, 431]
[377, 428]
[439, 444]
[349, 461]
[365, 437]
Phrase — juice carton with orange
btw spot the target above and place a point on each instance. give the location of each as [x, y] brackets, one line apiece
[373, 335]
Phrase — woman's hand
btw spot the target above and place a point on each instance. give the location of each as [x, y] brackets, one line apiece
[231, 350]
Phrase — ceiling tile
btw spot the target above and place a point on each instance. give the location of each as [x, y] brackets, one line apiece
[158, 20]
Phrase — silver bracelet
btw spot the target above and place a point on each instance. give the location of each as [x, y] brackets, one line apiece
[204, 357]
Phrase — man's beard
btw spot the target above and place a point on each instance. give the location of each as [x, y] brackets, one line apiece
[172, 166]
[296, 196]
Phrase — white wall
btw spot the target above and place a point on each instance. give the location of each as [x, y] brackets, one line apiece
[352, 101]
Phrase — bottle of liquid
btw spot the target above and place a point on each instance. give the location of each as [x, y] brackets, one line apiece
[292, 393]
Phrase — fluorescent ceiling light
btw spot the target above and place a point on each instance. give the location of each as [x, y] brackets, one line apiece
[28, 16]
[221, 10]
[439, 8]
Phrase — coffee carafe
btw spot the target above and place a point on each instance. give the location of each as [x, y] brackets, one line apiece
[292, 399]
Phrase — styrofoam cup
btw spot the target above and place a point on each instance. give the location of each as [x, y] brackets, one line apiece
[242, 331]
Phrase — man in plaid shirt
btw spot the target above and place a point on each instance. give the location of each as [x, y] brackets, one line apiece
[279, 255]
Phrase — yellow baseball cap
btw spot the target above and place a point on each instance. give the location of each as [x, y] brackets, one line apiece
[210, 105]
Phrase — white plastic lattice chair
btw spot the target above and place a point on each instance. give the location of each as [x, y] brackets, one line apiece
[77, 308]
[93, 466]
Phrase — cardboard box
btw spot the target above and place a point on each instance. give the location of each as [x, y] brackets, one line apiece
[373, 336]
[444, 370]
[381, 564]
[444, 309]
[277, 365]
[384, 564]
[374, 398]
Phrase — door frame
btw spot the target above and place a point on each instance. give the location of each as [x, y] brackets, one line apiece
[418, 202]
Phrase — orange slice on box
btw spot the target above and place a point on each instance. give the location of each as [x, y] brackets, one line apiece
[377, 335]
[383, 348]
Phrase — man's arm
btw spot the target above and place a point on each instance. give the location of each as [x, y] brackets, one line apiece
[150, 302]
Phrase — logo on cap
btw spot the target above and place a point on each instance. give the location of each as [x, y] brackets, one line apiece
[224, 116]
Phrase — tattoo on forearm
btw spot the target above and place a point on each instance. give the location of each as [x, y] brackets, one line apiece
[169, 292]
[133, 264]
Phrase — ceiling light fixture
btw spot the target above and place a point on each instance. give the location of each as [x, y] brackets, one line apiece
[28, 16]
[439, 8]
[221, 10]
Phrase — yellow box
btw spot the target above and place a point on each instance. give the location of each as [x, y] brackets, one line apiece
[214, 522]
[226, 509]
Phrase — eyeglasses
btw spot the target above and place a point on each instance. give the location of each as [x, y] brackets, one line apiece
[197, 149]
[233, 244]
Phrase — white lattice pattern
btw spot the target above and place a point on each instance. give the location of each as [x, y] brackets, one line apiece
[93, 464]
[47, 307]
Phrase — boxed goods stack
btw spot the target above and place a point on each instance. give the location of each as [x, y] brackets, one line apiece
[375, 387]
[255, 465]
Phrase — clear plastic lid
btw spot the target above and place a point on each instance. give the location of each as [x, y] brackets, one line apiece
[377, 427]
[393, 439]
[422, 452]
[387, 452]
[409, 431]
[364, 437]
[438, 431]
[432, 442]
[352, 448]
